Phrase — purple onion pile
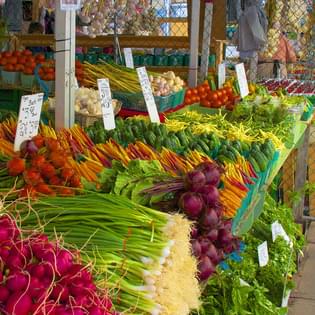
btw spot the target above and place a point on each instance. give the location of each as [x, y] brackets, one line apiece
[211, 237]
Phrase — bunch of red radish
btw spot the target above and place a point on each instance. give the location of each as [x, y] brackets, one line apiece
[39, 277]
[212, 236]
[42, 165]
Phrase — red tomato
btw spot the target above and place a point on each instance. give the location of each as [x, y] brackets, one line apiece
[17, 53]
[188, 100]
[3, 62]
[40, 57]
[9, 68]
[13, 60]
[195, 92]
[27, 52]
[22, 60]
[7, 54]
[201, 90]
[223, 91]
[225, 99]
[219, 93]
[229, 90]
[28, 71]
[214, 96]
[19, 67]
[31, 65]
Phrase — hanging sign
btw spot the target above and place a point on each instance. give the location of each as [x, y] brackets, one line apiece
[148, 95]
[106, 104]
[263, 256]
[242, 79]
[278, 230]
[29, 117]
[70, 5]
[128, 58]
[221, 74]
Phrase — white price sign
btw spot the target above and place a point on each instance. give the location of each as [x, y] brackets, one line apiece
[221, 74]
[263, 256]
[29, 117]
[106, 103]
[242, 79]
[76, 83]
[68, 5]
[278, 230]
[285, 300]
[128, 58]
[148, 95]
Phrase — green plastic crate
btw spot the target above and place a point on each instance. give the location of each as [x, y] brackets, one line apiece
[161, 60]
[106, 57]
[176, 60]
[91, 58]
[79, 57]
[27, 81]
[148, 60]
[138, 60]
[49, 55]
[10, 99]
[135, 101]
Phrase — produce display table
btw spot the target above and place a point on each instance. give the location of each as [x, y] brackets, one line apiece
[242, 225]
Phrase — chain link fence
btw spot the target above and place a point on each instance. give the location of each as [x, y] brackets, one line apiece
[271, 37]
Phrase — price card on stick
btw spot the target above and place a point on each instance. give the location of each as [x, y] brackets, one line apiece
[148, 95]
[106, 103]
[263, 256]
[278, 230]
[29, 117]
[242, 79]
[129, 58]
[221, 74]
[69, 5]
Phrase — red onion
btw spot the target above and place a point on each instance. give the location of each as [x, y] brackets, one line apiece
[192, 204]
[194, 180]
[212, 235]
[210, 219]
[211, 173]
[196, 248]
[206, 268]
[210, 195]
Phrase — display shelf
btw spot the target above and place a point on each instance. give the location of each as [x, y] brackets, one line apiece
[243, 223]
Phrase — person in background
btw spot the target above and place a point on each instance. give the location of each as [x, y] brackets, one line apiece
[277, 66]
[36, 28]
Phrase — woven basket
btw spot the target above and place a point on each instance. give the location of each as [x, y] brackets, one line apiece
[86, 120]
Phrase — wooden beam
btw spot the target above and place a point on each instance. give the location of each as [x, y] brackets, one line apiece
[175, 42]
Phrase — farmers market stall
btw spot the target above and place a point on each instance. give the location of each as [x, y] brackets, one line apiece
[160, 199]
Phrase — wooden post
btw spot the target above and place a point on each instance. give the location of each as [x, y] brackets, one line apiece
[35, 10]
[219, 51]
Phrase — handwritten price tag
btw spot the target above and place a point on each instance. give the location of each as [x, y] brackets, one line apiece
[128, 58]
[106, 103]
[242, 79]
[29, 117]
[68, 5]
[263, 256]
[278, 230]
[221, 74]
[148, 95]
